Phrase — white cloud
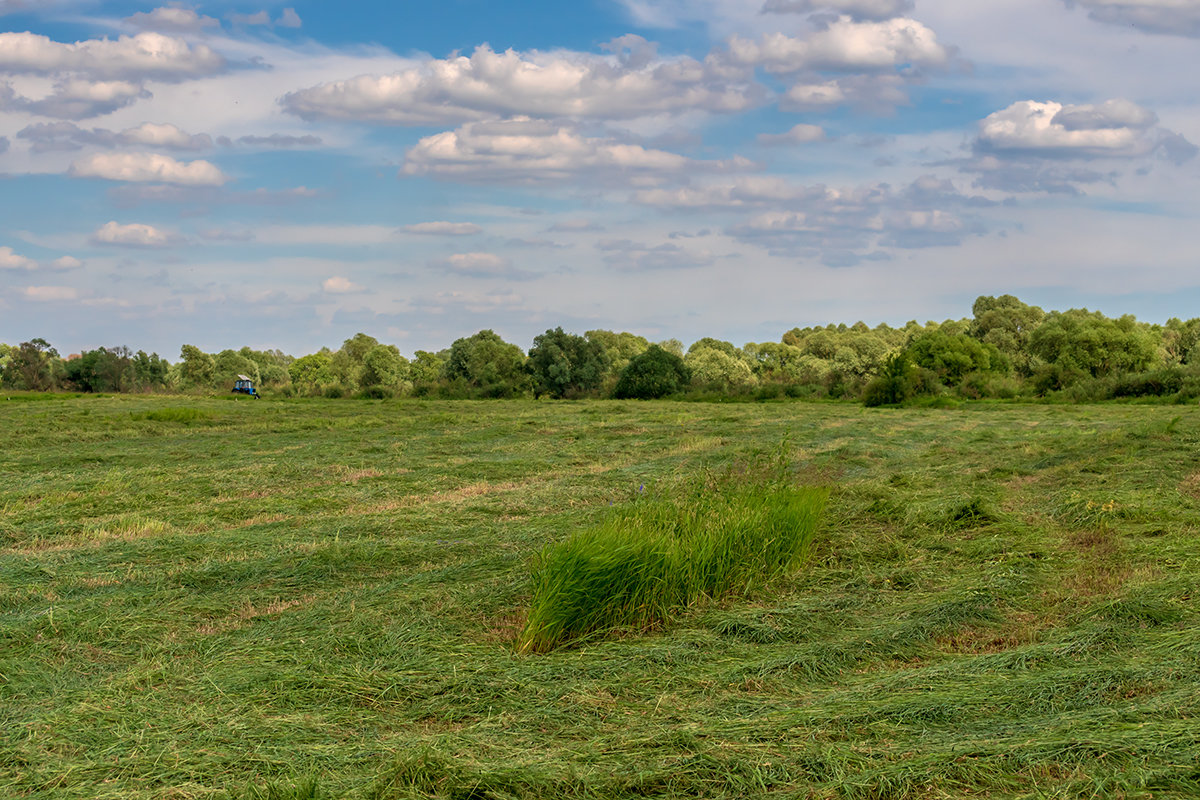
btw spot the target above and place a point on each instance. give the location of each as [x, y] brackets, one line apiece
[859, 9]
[630, 84]
[148, 167]
[845, 45]
[1116, 129]
[625, 255]
[133, 235]
[289, 19]
[15, 261]
[798, 134]
[143, 56]
[443, 228]
[164, 135]
[528, 151]
[49, 294]
[1176, 17]
[480, 265]
[66, 263]
[278, 141]
[180, 20]
[340, 285]
[76, 98]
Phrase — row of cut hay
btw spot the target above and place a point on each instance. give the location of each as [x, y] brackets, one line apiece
[660, 555]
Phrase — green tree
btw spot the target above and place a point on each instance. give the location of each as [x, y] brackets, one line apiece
[31, 366]
[427, 367]
[618, 349]
[347, 362]
[384, 366]
[652, 374]
[718, 369]
[1007, 324]
[149, 371]
[563, 364]
[229, 364]
[312, 373]
[196, 368]
[1088, 341]
[102, 370]
[487, 365]
[709, 343]
[953, 355]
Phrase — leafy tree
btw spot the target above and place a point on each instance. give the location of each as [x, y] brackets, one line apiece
[618, 349]
[652, 374]
[312, 373]
[229, 364]
[894, 384]
[953, 355]
[384, 366]
[347, 363]
[1007, 324]
[718, 369]
[709, 343]
[150, 371]
[31, 366]
[1088, 341]
[487, 365]
[1180, 341]
[563, 364]
[775, 361]
[672, 346]
[427, 367]
[103, 370]
[272, 365]
[197, 368]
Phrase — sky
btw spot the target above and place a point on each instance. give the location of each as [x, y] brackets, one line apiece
[281, 176]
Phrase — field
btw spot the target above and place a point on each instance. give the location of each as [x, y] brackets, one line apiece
[203, 598]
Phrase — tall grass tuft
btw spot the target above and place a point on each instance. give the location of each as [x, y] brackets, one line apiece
[656, 556]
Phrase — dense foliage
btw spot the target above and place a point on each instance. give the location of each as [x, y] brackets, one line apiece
[1006, 349]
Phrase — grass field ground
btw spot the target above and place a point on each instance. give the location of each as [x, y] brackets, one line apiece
[208, 598]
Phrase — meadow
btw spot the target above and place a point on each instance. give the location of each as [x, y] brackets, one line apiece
[210, 598]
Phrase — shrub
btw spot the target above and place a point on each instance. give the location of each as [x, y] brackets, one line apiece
[658, 556]
[652, 374]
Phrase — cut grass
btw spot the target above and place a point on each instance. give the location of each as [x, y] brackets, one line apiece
[657, 556]
[309, 599]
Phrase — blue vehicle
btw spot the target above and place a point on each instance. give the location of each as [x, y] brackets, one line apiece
[244, 385]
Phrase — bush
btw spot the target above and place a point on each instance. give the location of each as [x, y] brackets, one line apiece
[658, 556]
[652, 374]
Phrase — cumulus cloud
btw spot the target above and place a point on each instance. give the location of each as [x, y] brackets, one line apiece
[1175, 17]
[443, 228]
[50, 294]
[4, 144]
[14, 261]
[66, 136]
[133, 235]
[480, 265]
[147, 168]
[529, 151]
[257, 18]
[172, 20]
[628, 256]
[1029, 145]
[857, 9]
[845, 45]
[76, 98]
[64, 263]
[340, 285]
[815, 221]
[799, 134]
[143, 56]
[629, 84]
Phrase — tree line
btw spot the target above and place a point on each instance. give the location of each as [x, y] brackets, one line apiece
[1006, 349]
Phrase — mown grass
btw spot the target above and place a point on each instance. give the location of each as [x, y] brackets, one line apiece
[302, 600]
[652, 558]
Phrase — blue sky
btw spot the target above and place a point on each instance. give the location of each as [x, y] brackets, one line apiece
[285, 175]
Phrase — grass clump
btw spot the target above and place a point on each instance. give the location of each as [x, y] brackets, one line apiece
[659, 555]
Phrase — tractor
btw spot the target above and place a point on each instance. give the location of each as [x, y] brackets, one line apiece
[245, 385]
